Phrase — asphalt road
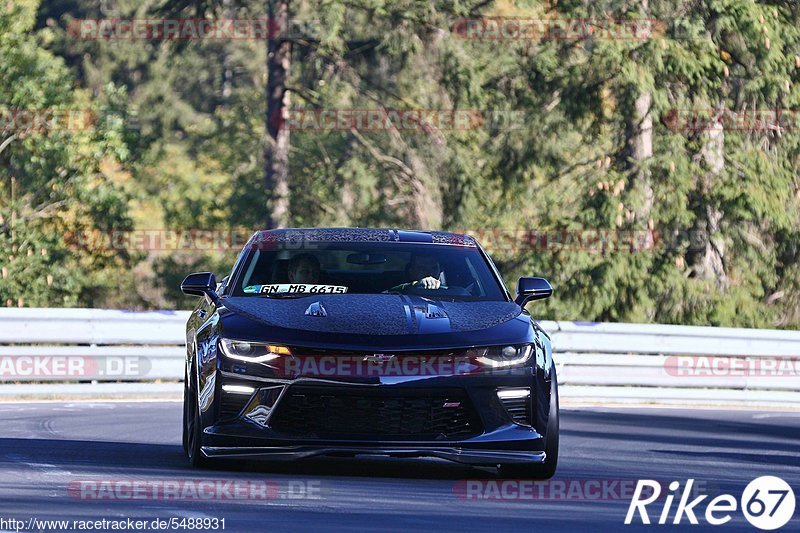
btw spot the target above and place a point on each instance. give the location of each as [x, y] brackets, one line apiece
[78, 461]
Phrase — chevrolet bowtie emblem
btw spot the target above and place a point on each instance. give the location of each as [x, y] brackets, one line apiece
[379, 357]
[316, 309]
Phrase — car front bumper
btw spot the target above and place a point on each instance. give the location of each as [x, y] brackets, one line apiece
[248, 430]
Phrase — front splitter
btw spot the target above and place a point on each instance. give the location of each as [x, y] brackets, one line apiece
[458, 455]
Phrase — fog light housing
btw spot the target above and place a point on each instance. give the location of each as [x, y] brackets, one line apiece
[517, 402]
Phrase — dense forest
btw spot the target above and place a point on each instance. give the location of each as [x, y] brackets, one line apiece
[644, 155]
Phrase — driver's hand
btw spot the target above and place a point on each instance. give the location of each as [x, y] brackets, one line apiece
[428, 283]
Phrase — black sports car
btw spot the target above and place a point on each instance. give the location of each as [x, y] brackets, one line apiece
[369, 341]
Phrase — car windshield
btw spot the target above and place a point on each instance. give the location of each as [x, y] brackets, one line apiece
[457, 273]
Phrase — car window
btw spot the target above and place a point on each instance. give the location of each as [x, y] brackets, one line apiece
[368, 268]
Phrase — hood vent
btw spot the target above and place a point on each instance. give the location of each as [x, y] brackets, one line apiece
[432, 311]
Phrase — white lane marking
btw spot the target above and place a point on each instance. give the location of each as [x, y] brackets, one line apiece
[613, 407]
[46, 469]
[190, 514]
[777, 415]
[132, 400]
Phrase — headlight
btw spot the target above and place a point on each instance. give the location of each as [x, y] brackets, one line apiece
[253, 352]
[501, 356]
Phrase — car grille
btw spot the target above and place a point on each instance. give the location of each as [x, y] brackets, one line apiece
[357, 415]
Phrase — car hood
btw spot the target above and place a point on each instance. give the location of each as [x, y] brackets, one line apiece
[372, 314]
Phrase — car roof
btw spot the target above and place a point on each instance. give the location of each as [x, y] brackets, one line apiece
[362, 235]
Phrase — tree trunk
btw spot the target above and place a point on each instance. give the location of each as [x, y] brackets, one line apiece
[276, 153]
[639, 148]
[708, 263]
[425, 209]
[639, 145]
[347, 190]
[425, 197]
[227, 68]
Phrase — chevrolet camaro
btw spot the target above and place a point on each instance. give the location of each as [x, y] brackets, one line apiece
[346, 342]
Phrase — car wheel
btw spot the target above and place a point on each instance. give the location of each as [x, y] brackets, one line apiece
[547, 469]
[192, 427]
[184, 425]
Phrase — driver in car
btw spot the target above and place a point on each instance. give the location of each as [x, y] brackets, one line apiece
[425, 271]
[304, 268]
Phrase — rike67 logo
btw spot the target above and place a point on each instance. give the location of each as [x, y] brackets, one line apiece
[767, 503]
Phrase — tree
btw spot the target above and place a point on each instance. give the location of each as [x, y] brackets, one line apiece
[598, 150]
[276, 151]
[57, 178]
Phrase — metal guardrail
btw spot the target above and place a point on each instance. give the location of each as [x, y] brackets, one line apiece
[91, 345]
[596, 361]
[91, 326]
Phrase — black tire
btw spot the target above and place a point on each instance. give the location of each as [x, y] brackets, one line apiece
[191, 427]
[184, 426]
[547, 469]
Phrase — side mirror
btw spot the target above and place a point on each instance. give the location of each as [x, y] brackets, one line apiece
[529, 289]
[199, 284]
